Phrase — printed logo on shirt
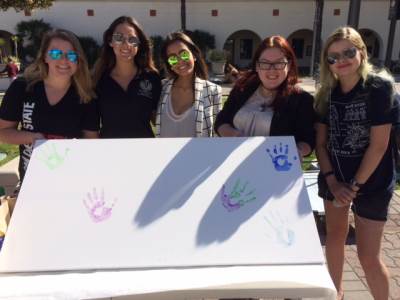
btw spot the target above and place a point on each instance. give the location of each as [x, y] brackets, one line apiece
[145, 88]
[27, 124]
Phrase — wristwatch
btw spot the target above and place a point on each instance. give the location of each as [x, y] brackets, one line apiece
[354, 182]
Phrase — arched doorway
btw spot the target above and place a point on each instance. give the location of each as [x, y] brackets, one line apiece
[373, 42]
[301, 42]
[240, 47]
[6, 46]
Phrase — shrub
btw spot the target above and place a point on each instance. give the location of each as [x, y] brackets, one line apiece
[91, 49]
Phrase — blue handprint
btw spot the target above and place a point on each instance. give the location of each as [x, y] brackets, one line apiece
[280, 157]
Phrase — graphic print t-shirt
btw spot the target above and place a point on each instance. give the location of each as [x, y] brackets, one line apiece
[350, 118]
[32, 110]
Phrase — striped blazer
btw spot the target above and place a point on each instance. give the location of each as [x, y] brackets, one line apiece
[207, 104]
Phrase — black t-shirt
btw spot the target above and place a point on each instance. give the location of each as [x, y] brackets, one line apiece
[127, 114]
[349, 118]
[32, 110]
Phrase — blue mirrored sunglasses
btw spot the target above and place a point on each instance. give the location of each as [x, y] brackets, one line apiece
[57, 54]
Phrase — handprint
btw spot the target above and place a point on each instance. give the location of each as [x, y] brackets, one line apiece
[51, 158]
[283, 233]
[237, 197]
[96, 206]
[280, 157]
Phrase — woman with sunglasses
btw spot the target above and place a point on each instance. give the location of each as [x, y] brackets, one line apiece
[267, 102]
[189, 102]
[357, 169]
[127, 84]
[53, 100]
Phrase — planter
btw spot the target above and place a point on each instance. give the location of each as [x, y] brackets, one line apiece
[218, 67]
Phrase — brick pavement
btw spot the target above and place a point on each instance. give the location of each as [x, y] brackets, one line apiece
[354, 279]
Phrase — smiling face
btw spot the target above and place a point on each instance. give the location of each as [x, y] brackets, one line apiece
[60, 67]
[124, 51]
[345, 66]
[186, 61]
[272, 58]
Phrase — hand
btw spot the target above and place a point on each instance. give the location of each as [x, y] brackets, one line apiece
[342, 192]
[227, 130]
[36, 136]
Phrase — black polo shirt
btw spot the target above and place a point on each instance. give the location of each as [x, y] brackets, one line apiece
[127, 114]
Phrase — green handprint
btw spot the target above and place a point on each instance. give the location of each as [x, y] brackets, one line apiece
[51, 157]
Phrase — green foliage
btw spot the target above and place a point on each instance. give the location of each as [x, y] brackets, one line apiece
[203, 39]
[31, 32]
[19, 5]
[11, 152]
[91, 49]
[216, 55]
[157, 42]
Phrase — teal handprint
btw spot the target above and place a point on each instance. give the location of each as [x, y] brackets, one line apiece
[51, 157]
[284, 235]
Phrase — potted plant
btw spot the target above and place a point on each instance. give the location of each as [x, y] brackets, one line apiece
[218, 60]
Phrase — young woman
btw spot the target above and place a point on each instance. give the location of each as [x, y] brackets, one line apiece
[266, 101]
[127, 83]
[53, 100]
[357, 168]
[189, 103]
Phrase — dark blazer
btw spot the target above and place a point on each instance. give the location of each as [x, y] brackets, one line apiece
[295, 117]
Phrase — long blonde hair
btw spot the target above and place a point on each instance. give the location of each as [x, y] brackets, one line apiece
[39, 70]
[328, 80]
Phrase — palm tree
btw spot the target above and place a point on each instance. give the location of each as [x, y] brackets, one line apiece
[183, 15]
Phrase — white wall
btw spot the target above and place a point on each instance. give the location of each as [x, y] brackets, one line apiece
[233, 16]
[71, 15]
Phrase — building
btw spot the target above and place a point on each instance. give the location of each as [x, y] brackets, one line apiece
[238, 26]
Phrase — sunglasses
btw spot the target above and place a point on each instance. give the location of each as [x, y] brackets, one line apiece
[263, 65]
[174, 59]
[349, 53]
[57, 54]
[119, 38]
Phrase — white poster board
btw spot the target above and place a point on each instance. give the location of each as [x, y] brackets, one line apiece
[151, 203]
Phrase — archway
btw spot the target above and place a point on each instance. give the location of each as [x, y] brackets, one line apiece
[240, 47]
[301, 42]
[374, 45]
[6, 45]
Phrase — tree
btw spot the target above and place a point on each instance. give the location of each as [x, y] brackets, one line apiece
[31, 33]
[19, 5]
[90, 47]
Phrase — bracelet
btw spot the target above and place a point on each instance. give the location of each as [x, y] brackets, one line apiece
[327, 174]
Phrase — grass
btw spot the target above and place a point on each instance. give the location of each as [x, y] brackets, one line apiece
[11, 152]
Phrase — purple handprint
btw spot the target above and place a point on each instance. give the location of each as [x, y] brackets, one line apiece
[96, 206]
[227, 201]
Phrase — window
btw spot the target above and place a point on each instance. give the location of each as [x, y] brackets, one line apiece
[298, 47]
[90, 12]
[336, 12]
[153, 12]
[214, 12]
[275, 12]
[246, 48]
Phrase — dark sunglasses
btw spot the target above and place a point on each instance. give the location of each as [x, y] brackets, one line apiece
[57, 54]
[349, 53]
[119, 38]
[174, 59]
[263, 65]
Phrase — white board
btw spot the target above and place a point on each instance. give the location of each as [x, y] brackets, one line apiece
[151, 203]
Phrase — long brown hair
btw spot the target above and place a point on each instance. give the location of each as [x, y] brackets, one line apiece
[143, 59]
[200, 68]
[288, 86]
[39, 70]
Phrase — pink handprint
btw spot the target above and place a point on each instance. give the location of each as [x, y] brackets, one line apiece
[96, 206]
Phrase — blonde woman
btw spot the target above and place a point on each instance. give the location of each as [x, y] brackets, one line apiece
[189, 102]
[357, 168]
[53, 100]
